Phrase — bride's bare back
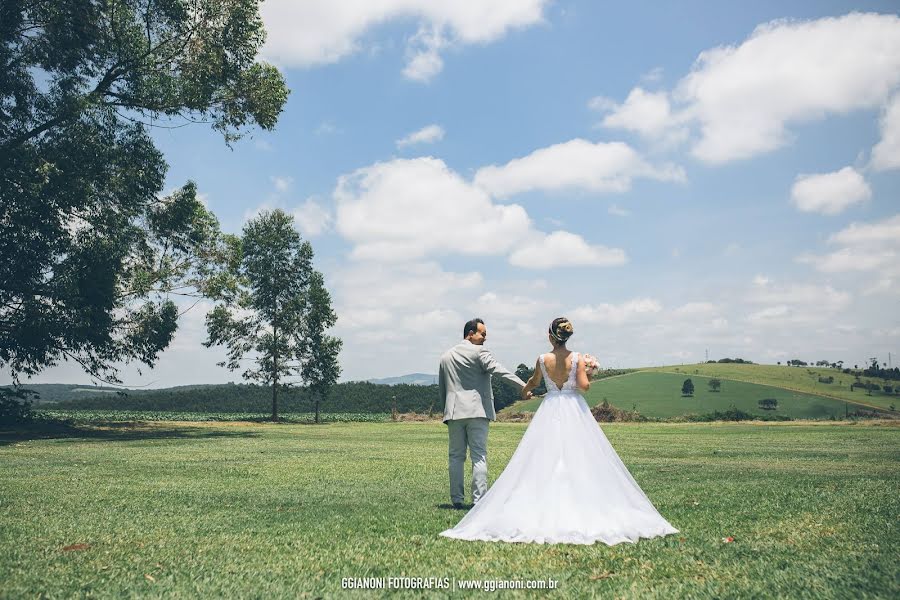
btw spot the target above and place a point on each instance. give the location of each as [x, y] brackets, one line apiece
[558, 367]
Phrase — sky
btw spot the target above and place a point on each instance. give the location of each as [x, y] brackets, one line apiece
[680, 179]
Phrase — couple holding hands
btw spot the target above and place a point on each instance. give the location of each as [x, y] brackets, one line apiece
[564, 483]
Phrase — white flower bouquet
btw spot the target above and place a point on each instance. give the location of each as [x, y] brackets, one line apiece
[591, 365]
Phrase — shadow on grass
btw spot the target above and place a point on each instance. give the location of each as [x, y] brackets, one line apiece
[109, 432]
[448, 506]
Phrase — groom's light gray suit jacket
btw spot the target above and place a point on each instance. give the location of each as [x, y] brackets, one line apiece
[464, 380]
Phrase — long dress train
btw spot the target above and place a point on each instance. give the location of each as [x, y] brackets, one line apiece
[564, 484]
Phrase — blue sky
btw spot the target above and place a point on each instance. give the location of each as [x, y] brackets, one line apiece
[673, 177]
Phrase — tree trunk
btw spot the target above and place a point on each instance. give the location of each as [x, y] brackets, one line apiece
[275, 400]
[275, 369]
[317, 408]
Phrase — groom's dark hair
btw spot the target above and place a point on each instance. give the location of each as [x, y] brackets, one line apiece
[471, 327]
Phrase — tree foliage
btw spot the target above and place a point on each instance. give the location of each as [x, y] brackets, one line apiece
[90, 253]
[687, 388]
[768, 403]
[524, 372]
[275, 310]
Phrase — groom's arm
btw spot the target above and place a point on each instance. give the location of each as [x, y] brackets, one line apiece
[490, 365]
[442, 384]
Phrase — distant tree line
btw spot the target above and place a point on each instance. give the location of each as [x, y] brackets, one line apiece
[739, 361]
[352, 397]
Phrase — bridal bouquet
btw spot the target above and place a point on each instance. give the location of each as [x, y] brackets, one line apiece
[591, 365]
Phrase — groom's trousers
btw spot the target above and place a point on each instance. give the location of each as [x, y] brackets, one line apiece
[471, 433]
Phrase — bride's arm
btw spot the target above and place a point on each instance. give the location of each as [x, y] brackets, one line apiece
[533, 381]
[581, 378]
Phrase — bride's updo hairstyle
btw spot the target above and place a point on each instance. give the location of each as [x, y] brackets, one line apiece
[561, 330]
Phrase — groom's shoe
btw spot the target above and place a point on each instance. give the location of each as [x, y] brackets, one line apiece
[458, 505]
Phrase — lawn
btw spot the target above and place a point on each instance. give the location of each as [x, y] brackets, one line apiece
[658, 394]
[802, 379]
[288, 510]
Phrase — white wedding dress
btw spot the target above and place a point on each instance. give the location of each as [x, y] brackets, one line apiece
[564, 484]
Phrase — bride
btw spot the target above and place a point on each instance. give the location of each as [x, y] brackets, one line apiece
[564, 483]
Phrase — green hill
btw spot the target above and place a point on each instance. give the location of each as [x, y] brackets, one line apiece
[800, 379]
[656, 392]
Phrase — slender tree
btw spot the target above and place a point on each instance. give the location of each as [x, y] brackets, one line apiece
[320, 368]
[91, 254]
[275, 310]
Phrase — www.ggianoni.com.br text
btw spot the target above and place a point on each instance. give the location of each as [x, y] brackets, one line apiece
[445, 584]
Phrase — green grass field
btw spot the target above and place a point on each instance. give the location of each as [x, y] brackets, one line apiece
[801, 379]
[658, 394]
[656, 391]
[182, 510]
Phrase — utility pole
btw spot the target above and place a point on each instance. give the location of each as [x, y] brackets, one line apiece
[707, 355]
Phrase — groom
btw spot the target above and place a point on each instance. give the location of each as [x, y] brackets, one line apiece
[464, 379]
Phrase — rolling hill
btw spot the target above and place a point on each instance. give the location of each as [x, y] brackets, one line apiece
[656, 392]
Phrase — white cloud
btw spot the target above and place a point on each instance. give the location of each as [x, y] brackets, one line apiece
[799, 300]
[618, 211]
[617, 314]
[327, 128]
[578, 163]
[887, 230]
[423, 54]
[602, 104]
[653, 75]
[564, 249]
[311, 218]
[372, 290]
[881, 286]
[406, 209]
[398, 318]
[509, 307]
[886, 154]
[863, 247]
[742, 98]
[282, 184]
[403, 209]
[426, 135]
[850, 259]
[732, 249]
[696, 309]
[647, 113]
[315, 32]
[789, 71]
[830, 193]
[359, 318]
[432, 320]
[766, 314]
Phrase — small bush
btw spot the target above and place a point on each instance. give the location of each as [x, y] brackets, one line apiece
[768, 404]
[828, 379]
[732, 414]
[606, 413]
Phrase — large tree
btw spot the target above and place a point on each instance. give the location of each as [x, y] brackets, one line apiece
[91, 254]
[275, 311]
